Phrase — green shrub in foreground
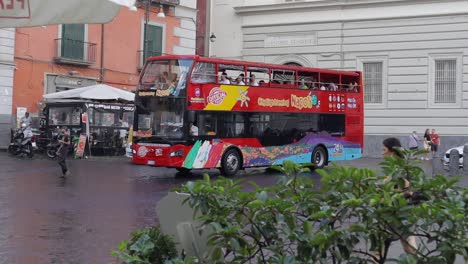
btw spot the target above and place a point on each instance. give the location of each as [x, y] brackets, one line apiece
[355, 216]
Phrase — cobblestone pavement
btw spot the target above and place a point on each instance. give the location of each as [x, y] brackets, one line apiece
[80, 219]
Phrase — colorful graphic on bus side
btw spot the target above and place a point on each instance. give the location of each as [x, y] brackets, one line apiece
[207, 154]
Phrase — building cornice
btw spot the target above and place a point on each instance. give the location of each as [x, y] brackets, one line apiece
[327, 4]
[330, 11]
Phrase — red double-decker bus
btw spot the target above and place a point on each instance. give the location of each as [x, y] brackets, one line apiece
[194, 112]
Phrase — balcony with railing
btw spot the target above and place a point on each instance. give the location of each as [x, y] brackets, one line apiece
[141, 57]
[77, 52]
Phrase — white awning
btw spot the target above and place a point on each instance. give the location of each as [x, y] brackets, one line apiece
[93, 92]
[29, 13]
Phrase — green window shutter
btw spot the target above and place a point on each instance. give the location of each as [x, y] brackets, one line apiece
[153, 41]
[73, 41]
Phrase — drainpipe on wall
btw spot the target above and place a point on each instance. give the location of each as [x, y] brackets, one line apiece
[102, 55]
[341, 46]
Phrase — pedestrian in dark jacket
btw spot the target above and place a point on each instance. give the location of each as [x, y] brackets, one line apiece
[62, 152]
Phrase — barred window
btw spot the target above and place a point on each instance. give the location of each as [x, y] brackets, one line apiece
[373, 82]
[445, 81]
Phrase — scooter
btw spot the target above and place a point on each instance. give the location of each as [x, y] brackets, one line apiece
[53, 146]
[23, 142]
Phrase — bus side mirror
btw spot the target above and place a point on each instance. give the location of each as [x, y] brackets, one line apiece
[191, 116]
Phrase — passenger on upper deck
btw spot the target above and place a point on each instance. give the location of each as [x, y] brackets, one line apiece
[253, 82]
[312, 84]
[302, 85]
[353, 87]
[240, 79]
[224, 79]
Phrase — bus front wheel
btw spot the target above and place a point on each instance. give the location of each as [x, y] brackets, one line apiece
[319, 157]
[231, 162]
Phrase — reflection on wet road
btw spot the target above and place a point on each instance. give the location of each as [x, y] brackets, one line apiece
[80, 219]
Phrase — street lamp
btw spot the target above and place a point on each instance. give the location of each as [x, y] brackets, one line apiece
[212, 37]
[161, 12]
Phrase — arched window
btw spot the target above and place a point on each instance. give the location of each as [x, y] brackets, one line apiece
[293, 64]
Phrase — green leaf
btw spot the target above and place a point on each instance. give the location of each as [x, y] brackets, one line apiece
[143, 245]
[262, 196]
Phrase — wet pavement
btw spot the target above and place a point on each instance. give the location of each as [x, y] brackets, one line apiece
[80, 219]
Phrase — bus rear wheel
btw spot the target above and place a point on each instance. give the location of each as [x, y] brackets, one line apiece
[231, 162]
[319, 157]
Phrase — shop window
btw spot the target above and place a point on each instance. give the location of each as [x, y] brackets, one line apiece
[64, 116]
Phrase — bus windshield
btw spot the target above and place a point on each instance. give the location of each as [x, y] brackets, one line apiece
[160, 117]
[170, 75]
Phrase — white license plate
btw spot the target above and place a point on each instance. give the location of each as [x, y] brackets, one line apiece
[34, 144]
[151, 162]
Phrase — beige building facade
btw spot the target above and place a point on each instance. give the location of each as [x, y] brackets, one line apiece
[414, 55]
[7, 70]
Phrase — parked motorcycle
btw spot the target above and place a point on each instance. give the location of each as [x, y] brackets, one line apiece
[23, 142]
[53, 146]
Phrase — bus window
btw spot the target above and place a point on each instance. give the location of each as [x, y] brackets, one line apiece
[350, 83]
[333, 124]
[329, 82]
[283, 78]
[204, 72]
[257, 76]
[308, 80]
[206, 122]
[233, 73]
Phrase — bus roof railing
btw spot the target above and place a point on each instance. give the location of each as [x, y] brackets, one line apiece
[255, 64]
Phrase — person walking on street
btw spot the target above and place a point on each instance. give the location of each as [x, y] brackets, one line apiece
[435, 142]
[62, 152]
[413, 141]
[390, 148]
[427, 143]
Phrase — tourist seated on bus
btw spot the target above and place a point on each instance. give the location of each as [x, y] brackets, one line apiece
[262, 83]
[253, 82]
[209, 131]
[352, 87]
[332, 87]
[224, 79]
[302, 85]
[312, 83]
[240, 79]
[193, 129]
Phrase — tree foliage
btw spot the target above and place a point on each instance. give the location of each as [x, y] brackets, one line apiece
[355, 216]
[147, 246]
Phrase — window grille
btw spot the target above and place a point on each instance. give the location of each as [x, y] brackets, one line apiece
[445, 86]
[373, 82]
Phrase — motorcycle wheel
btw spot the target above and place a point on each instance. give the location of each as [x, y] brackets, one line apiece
[13, 150]
[51, 153]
